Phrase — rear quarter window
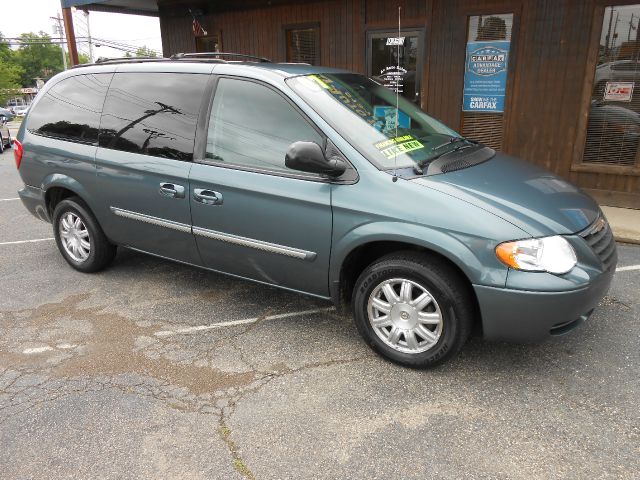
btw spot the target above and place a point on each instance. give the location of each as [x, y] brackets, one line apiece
[153, 113]
[70, 109]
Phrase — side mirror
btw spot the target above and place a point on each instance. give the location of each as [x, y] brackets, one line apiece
[3, 119]
[309, 157]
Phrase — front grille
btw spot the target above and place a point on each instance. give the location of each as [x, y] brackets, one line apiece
[600, 238]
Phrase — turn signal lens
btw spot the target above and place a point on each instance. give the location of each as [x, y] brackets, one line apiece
[550, 254]
[17, 152]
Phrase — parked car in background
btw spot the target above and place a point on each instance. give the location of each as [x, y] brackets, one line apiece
[21, 111]
[302, 178]
[7, 114]
[5, 135]
[617, 71]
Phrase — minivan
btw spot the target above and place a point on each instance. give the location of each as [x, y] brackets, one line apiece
[319, 181]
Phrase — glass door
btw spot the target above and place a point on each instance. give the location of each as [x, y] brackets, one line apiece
[396, 62]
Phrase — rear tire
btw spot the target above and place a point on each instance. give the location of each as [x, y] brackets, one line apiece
[430, 309]
[80, 238]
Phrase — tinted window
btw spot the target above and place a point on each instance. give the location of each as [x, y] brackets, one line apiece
[70, 110]
[153, 113]
[251, 125]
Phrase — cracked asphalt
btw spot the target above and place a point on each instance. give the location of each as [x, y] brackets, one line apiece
[89, 389]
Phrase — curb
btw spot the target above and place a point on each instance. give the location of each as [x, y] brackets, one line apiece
[623, 239]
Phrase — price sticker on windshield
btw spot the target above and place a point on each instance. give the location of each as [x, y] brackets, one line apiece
[319, 81]
[398, 145]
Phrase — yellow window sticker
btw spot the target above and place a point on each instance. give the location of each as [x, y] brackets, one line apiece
[319, 81]
[398, 145]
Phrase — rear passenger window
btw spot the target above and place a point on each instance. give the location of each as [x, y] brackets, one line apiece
[253, 126]
[153, 113]
[70, 110]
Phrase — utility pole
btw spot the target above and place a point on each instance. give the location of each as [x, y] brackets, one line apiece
[86, 16]
[67, 16]
[615, 30]
[608, 38]
[59, 32]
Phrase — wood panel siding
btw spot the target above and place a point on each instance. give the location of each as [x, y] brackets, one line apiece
[261, 31]
[546, 108]
[553, 57]
[385, 13]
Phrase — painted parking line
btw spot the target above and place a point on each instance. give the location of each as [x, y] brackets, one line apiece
[48, 348]
[9, 199]
[628, 268]
[18, 242]
[233, 323]
[31, 351]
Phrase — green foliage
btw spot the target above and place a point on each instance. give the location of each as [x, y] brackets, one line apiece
[38, 58]
[82, 58]
[6, 54]
[144, 51]
[9, 80]
[10, 73]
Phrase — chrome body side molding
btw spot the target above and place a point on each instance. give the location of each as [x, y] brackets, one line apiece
[257, 244]
[160, 222]
[214, 235]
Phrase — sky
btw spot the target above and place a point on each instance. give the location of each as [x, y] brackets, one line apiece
[621, 23]
[33, 15]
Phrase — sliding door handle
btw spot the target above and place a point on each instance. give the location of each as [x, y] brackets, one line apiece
[207, 197]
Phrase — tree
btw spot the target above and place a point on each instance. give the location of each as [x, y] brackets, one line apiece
[9, 80]
[82, 58]
[10, 73]
[6, 54]
[144, 51]
[38, 57]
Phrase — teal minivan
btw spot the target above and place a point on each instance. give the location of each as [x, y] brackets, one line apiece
[317, 181]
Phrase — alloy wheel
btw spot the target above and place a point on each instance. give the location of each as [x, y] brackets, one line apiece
[404, 315]
[75, 237]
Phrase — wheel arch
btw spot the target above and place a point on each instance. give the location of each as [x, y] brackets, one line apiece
[362, 250]
[57, 187]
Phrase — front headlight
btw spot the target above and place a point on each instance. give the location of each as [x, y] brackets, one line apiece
[549, 254]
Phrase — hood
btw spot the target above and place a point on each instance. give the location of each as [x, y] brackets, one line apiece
[530, 197]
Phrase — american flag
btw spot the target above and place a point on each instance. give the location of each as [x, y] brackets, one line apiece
[197, 28]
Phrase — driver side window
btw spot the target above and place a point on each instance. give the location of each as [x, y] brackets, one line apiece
[253, 126]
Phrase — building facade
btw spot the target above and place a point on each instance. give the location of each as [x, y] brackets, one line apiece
[550, 81]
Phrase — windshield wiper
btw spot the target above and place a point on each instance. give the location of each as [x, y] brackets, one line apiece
[422, 163]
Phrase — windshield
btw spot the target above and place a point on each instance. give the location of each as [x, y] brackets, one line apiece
[364, 113]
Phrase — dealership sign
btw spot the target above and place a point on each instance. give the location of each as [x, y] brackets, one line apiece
[618, 91]
[395, 41]
[485, 76]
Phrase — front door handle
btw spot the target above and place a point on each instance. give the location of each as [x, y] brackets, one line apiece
[207, 197]
[171, 190]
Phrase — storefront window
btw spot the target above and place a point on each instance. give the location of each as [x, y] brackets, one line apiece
[613, 130]
[485, 78]
[395, 61]
[303, 45]
[210, 43]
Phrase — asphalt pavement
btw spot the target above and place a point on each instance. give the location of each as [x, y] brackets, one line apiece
[152, 369]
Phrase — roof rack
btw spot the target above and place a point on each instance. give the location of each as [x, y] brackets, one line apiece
[213, 57]
[107, 61]
[216, 56]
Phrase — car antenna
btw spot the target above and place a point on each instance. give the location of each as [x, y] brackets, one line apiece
[395, 150]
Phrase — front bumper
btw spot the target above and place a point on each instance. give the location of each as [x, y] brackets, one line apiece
[526, 316]
[34, 201]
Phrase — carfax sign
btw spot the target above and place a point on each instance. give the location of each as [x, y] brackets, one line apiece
[485, 76]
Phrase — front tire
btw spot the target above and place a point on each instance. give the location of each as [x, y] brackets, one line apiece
[413, 309]
[80, 238]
